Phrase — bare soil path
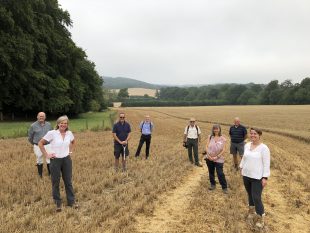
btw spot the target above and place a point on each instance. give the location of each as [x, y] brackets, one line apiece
[171, 207]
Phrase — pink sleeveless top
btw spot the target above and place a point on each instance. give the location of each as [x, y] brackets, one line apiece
[215, 147]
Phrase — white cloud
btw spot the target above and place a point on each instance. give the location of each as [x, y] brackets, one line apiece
[197, 41]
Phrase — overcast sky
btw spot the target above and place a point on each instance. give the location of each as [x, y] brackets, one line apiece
[194, 41]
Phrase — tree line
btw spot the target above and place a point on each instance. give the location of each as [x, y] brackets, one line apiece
[231, 94]
[272, 93]
[41, 68]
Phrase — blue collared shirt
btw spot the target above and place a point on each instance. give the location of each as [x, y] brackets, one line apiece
[146, 127]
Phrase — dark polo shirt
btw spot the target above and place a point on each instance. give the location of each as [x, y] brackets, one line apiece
[121, 130]
[237, 134]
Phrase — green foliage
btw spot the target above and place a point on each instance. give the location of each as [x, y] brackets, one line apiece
[123, 93]
[272, 93]
[41, 68]
[94, 121]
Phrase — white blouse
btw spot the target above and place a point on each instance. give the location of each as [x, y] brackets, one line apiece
[58, 144]
[255, 163]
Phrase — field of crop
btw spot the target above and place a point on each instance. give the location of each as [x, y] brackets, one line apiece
[140, 92]
[164, 193]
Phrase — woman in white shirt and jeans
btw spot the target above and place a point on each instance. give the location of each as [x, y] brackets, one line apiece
[255, 169]
[61, 143]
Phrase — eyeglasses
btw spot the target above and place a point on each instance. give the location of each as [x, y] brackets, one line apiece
[192, 121]
[121, 117]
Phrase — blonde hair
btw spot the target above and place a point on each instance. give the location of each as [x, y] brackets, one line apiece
[61, 119]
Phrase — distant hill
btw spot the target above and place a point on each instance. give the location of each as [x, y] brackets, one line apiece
[118, 83]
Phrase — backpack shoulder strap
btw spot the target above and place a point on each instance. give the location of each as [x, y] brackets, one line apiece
[187, 129]
[141, 126]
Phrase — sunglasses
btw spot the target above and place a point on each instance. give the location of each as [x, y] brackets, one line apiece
[192, 121]
[122, 117]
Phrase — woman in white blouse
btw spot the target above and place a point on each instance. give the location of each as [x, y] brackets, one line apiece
[61, 142]
[255, 169]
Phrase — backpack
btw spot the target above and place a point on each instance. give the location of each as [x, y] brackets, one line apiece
[188, 129]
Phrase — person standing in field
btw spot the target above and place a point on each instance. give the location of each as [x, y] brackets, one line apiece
[238, 134]
[191, 138]
[36, 131]
[146, 128]
[121, 134]
[61, 145]
[255, 169]
[215, 148]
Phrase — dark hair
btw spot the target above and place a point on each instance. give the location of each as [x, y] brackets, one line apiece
[257, 130]
[217, 126]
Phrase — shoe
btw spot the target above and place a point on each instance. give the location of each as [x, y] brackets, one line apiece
[212, 187]
[74, 205]
[198, 164]
[58, 207]
[251, 213]
[225, 191]
[260, 222]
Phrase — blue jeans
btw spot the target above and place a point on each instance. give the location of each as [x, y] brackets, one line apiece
[220, 173]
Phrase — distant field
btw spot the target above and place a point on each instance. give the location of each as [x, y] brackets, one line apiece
[140, 91]
[87, 121]
[289, 119]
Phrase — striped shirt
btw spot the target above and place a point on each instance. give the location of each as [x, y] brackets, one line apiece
[237, 133]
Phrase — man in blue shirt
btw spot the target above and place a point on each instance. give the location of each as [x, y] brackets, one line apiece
[146, 128]
[121, 134]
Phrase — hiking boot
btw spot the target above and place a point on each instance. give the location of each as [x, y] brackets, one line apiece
[251, 213]
[58, 207]
[48, 169]
[225, 191]
[212, 187]
[73, 205]
[40, 169]
[260, 222]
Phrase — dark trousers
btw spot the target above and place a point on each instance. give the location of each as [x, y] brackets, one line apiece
[220, 173]
[192, 145]
[62, 166]
[147, 140]
[254, 189]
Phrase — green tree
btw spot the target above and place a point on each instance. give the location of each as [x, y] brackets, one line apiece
[41, 68]
[123, 93]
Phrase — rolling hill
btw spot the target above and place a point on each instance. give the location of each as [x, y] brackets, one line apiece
[119, 82]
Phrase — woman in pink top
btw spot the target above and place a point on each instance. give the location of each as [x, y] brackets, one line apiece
[215, 149]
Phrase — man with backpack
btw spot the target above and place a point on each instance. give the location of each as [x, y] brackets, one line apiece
[192, 136]
[146, 128]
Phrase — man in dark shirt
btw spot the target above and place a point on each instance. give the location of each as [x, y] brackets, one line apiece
[121, 134]
[238, 134]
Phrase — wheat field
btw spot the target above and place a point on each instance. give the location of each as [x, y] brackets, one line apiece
[165, 193]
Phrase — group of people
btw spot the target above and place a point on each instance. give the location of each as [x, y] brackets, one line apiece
[57, 146]
[254, 164]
